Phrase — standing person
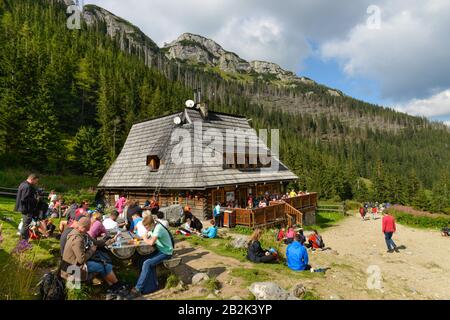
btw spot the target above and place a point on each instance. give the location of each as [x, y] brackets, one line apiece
[120, 204]
[218, 216]
[374, 212]
[26, 203]
[159, 236]
[362, 212]
[388, 228]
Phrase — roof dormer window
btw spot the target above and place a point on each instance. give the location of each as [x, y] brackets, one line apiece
[153, 162]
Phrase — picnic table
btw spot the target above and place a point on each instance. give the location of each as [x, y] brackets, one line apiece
[129, 244]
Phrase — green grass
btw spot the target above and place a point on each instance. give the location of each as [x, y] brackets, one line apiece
[27, 267]
[212, 284]
[172, 281]
[11, 178]
[219, 246]
[325, 220]
[422, 222]
[250, 275]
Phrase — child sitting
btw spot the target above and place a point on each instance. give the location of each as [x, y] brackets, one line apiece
[210, 232]
[281, 234]
[290, 235]
[186, 230]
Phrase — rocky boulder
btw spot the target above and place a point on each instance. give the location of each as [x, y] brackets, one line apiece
[270, 291]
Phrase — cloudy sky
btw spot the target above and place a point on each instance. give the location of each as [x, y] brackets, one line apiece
[392, 52]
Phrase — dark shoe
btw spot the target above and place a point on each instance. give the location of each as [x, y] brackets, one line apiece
[390, 251]
[396, 250]
[134, 294]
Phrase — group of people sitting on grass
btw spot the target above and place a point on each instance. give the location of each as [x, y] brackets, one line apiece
[296, 251]
[191, 225]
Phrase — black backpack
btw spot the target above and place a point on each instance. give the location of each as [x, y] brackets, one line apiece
[52, 287]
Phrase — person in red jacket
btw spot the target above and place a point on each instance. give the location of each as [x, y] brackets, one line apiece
[388, 228]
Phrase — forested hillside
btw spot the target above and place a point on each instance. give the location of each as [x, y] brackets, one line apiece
[69, 97]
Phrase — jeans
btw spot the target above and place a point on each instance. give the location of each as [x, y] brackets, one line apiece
[389, 242]
[148, 282]
[219, 220]
[26, 219]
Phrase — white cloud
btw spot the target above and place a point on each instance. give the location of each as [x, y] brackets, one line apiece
[408, 55]
[435, 106]
[254, 29]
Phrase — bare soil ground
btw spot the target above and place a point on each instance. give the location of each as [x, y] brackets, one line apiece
[421, 270]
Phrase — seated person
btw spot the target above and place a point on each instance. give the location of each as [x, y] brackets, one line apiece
[302, 236]
[281, 234]
[256, 253]
[186, 229]
[97, 229]
[110, 223]
[445, 232]
[210, 232]
[290, 234]
[70, 216]
[160, 219]
[315, 241]
[140, 230]
[137, 216]
[78, 250]
[297, 255]
[262, 204]
[161, 238]
[133, 209]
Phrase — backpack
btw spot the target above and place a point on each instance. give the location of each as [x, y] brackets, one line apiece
[52, 287]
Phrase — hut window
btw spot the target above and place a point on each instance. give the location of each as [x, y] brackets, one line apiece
[153, 162]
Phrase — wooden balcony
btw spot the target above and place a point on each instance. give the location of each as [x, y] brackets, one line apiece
[288, 212]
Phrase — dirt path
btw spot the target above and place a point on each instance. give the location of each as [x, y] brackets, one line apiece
[420, 271]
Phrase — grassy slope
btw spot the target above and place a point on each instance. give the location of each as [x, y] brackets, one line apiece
[42, 256]
[11, 178]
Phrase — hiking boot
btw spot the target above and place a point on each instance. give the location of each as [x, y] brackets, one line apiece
[110, 296]
[134, 294]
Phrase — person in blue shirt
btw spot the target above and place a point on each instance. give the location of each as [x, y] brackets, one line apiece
[218, 216]
[136, 218]
[210, 232]
[297, 255]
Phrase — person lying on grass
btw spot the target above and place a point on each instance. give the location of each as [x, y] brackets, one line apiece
[256, 253]
[210, 232]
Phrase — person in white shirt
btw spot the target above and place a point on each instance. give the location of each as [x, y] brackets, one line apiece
[140, 229]
[110, 222]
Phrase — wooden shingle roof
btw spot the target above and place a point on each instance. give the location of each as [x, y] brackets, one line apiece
[156, 137]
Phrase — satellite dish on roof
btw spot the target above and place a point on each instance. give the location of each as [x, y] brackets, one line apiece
[190, 103]
[177, 120]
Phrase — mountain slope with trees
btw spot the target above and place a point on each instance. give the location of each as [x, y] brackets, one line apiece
[69, 97]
